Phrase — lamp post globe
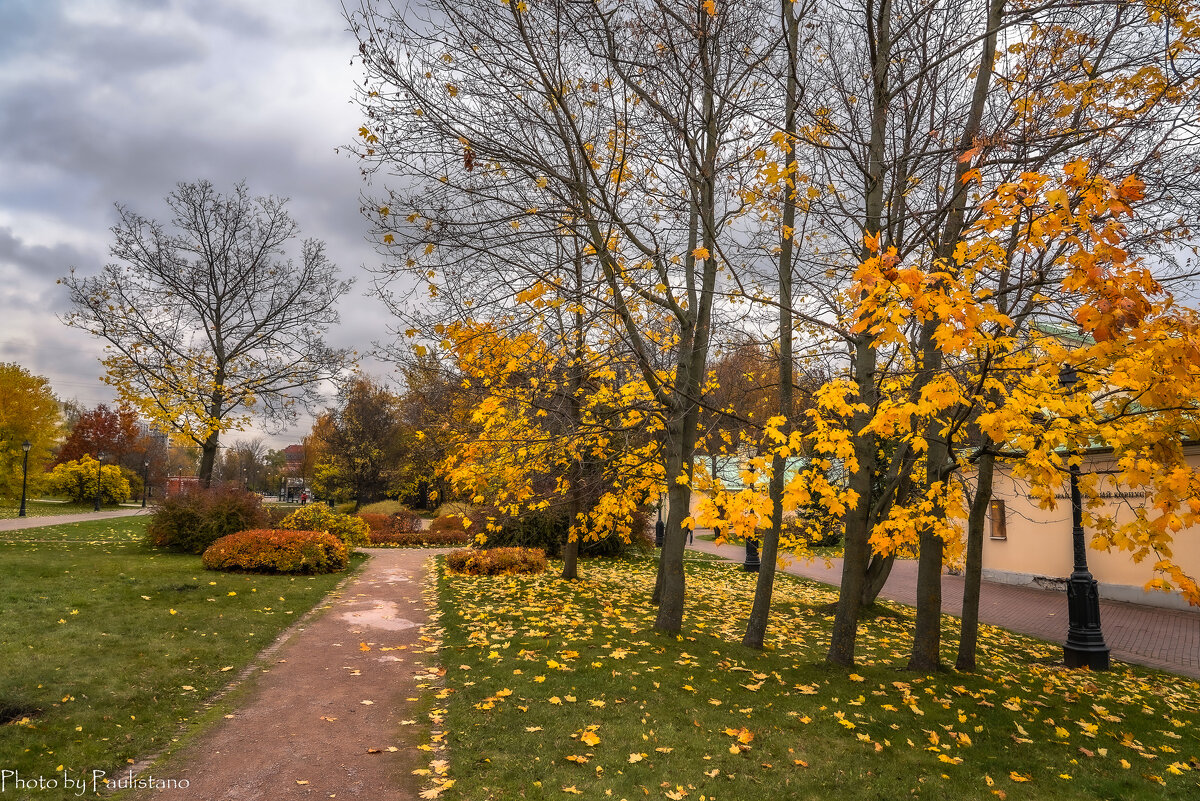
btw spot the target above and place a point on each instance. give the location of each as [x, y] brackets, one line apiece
[1085, 646]
[25, 446]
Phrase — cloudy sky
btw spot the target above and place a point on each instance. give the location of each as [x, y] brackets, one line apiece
[107, 101]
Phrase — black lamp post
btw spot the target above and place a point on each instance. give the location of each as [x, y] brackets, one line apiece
[751, 565]
[1085, 646]
[25, 446]
[99, 464]
[660, 528]
[145, 481]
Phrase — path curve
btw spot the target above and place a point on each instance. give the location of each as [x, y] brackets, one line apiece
[41, 521]
[304, 732]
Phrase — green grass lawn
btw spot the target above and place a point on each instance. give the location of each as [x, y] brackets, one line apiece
[554, 689]
[108, 648]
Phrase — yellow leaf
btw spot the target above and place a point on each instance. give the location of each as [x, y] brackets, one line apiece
[589, 738]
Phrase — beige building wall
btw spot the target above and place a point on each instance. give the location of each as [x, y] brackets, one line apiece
[1033, 545]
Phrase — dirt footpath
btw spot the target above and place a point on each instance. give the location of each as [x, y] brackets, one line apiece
[307, 729]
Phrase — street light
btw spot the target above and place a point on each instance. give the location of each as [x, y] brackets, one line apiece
[99, 464]
[751, 565]
[25, 446]
[660, 528]
[145, 480]
[1085, 646]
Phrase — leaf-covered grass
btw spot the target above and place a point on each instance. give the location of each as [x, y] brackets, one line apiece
[556, 688]
[109, 647]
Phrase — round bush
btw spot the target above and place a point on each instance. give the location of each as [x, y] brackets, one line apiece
[318, 517]
[277, 551]
[192, 520]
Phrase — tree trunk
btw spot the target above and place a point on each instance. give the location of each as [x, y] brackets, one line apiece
[575, 405]
[927, 633]
[760, 613]
[857, 551]
[670, 586]
[878, 570]
[969, 632]
[208, 458]
[571, 559]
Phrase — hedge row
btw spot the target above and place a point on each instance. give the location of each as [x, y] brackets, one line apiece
[402, 521]
[497, 561]
[404, 539]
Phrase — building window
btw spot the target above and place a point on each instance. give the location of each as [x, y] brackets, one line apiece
[999, 524]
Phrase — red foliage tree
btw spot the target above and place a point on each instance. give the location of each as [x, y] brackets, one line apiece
[117, 433]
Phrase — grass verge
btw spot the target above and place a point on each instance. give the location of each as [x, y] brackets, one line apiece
[560, 689]
[109, 647]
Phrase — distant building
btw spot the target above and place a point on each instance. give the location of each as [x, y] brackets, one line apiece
[178, 484]
[294, 454]
[1026, 544]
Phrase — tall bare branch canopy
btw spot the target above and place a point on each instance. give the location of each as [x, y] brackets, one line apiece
[207, 320]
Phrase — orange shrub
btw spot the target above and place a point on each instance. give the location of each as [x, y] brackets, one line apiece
[449, 523]
[402, 522]
[378, 523]
[497, 561]
[277, 551]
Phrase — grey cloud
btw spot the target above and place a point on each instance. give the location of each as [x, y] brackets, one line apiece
[37, 262]
[102, 110]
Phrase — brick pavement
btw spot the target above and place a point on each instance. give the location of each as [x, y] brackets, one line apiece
[1166, 639]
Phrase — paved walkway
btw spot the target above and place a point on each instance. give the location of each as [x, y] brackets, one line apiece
[334, 712]
[16, 523]
[1166, 639]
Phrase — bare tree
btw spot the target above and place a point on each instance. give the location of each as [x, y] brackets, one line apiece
[614, 122]
[208, 321]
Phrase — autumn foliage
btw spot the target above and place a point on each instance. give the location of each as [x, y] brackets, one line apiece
[76, 480]
[277, 551]
[318, 517]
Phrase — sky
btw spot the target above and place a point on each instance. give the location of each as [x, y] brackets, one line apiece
[117, 101]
